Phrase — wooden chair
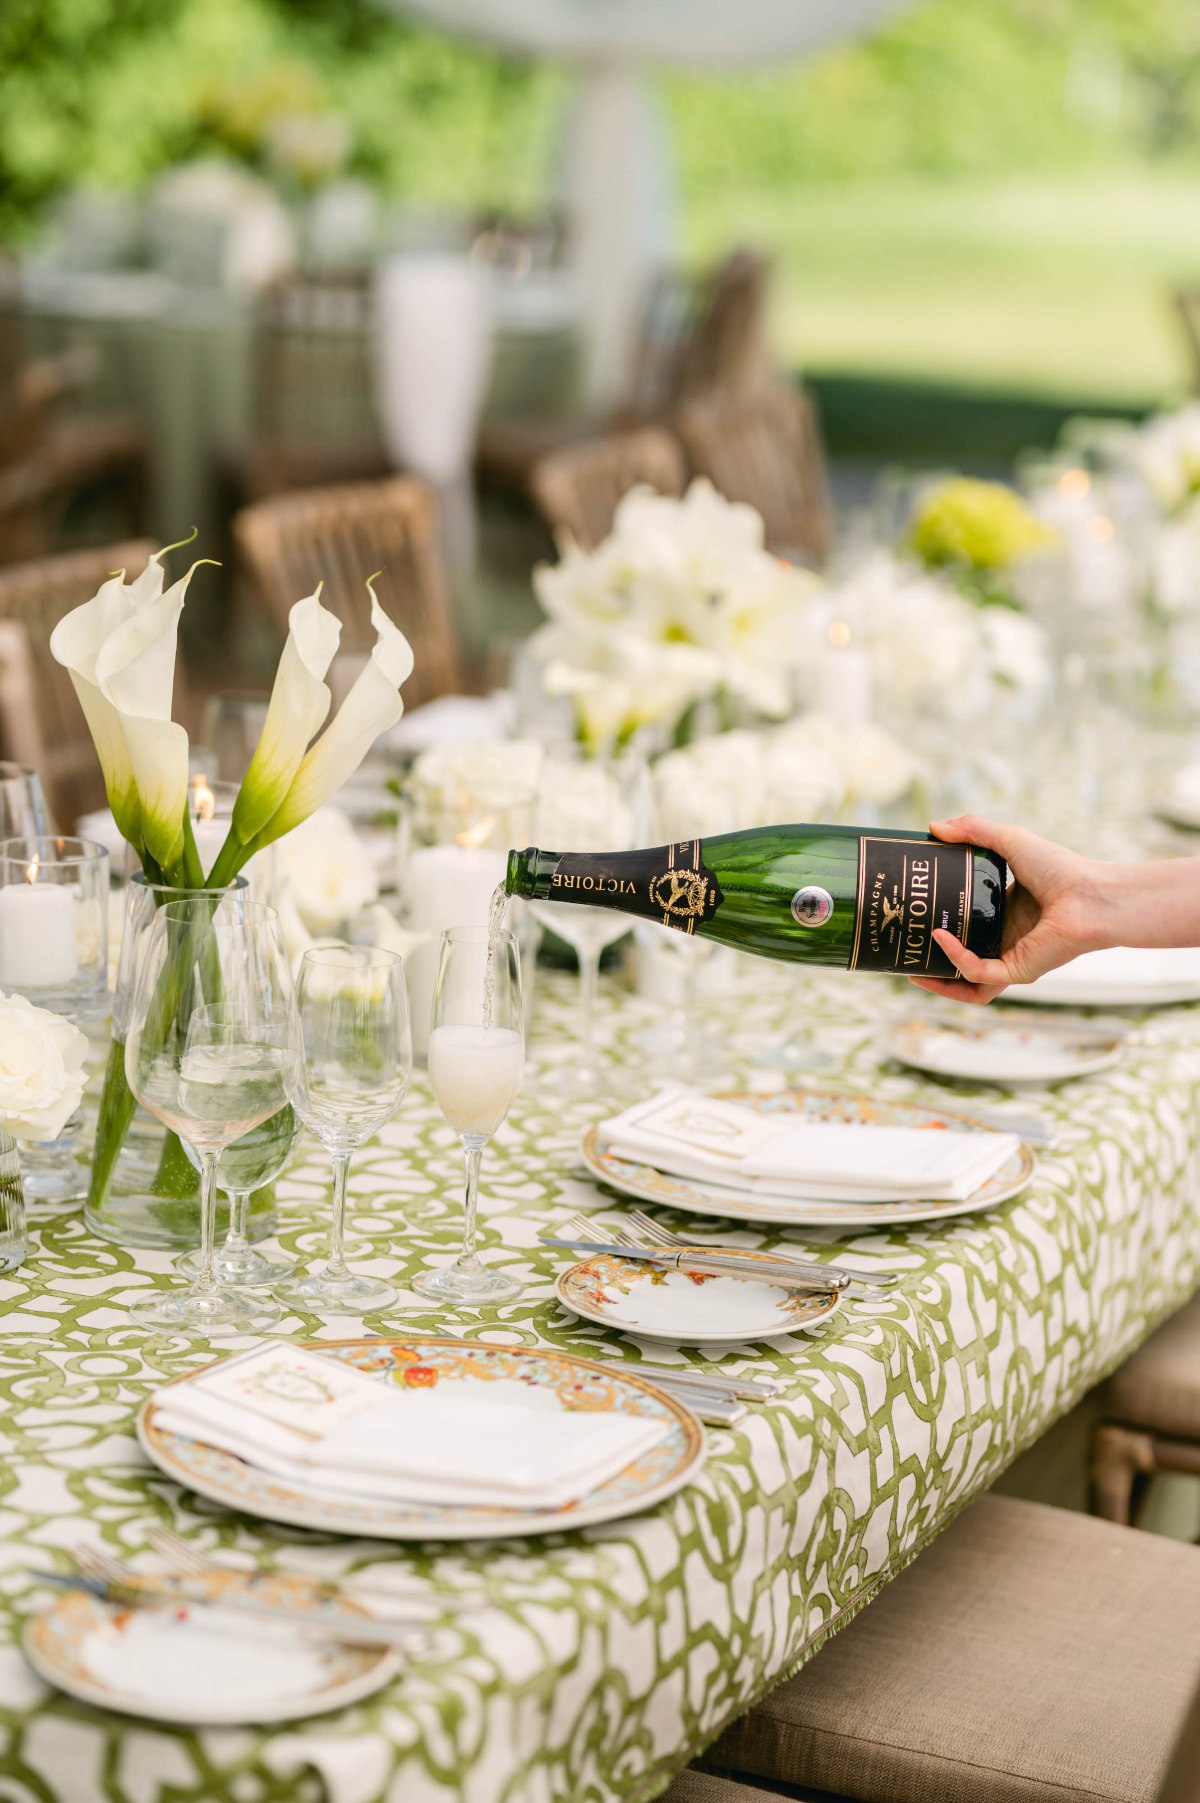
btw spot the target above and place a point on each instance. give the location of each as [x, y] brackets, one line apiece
[764, 447]
[695, 337]
[50, 454]
[41, 721]
[1151, 1418]
[578, 489]
[341, 536]
[1029, 1655]
[313, 405]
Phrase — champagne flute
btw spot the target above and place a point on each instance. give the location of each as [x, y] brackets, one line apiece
[348, 1083]
[476, 1060]
[211, 1048]
[584, 804]
[248, 1165]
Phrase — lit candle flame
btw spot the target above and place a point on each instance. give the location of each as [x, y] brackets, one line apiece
[477, 835]
[204, 802]
[1074, 484]
[31, 872]
[839, 633]
[1101, 529]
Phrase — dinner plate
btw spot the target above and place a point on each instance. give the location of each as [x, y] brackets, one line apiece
[694, 1197]
[687, 1308]
[1002, 1051]
[1119, 977]
[178, 1664]
[564, 1382]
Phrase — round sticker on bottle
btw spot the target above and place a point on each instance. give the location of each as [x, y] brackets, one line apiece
[812, 907]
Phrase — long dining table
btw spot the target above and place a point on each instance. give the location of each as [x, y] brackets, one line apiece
[592, 1665]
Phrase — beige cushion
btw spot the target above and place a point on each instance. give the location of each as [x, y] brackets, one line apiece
[1159, 1387]
[1029, 1655]
[702, 1787]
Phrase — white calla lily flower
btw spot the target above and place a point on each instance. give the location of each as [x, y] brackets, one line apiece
[76, 643]
[135, 674]
[372, 706]
[298, 709]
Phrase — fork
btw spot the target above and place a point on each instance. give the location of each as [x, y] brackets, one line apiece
[186, 1558]
[585, 1226]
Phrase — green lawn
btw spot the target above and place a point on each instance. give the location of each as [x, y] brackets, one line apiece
[1052, 288]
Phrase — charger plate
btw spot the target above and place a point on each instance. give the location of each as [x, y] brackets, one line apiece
[688, 1308]
[565, 1381]
[180, 1665]
[846, 1106]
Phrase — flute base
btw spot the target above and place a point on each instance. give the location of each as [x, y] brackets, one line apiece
[472, 1285]
[240, 1265]
[324, 1295]
[205, 1314]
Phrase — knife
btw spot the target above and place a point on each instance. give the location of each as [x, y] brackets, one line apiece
[323, 1624]
[786, 1271]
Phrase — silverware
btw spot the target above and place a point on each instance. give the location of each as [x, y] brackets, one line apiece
[711, 1405]
[658, 1235]
[766, 1268]
[185, 1558]
[1032, 1128]
[136, 1591]
[756, 1389]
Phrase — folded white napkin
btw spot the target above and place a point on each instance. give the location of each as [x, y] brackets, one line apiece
[1120, 975]
[492, 1442]
[693, 1135]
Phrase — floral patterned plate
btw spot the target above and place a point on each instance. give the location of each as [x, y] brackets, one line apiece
[198, 1667]
[1008, 1052]
[565, 1382]
[689, 1309]
[692, 1197]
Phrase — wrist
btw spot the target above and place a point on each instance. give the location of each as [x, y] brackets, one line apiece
[1112, 895]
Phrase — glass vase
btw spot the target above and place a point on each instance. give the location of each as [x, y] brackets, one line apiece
[144, 1190]
[12, 1205]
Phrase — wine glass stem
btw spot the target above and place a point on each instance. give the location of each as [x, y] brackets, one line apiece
[472, 1156]
[336, 1266]
[589, 974]
[206, 1277]
[239, 1209]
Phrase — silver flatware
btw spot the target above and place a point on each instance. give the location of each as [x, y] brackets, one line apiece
[755, 1389]
[658, 1235]
[185, 1558]
[140, 1592]
[767, 1268]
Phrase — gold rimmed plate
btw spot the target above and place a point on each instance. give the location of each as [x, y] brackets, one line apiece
[201, 1667]
[564, 1382]
[688, 1308]
[846, 1106]
[1010, 1052]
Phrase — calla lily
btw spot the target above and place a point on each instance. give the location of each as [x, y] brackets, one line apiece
[77, 642]
[299, 705]
[135, 674]
[371, 707]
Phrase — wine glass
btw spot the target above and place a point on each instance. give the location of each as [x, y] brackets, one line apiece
[476, 1060]
[211, 1048]
[584, 804]
[348, 1083]
[248, 1165]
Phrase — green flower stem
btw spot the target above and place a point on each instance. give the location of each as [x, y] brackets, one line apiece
[118, 1105]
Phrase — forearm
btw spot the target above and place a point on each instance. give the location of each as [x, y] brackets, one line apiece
[1154, 904]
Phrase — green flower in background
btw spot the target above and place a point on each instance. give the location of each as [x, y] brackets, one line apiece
[976, 528]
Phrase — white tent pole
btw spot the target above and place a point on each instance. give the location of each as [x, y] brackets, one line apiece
[620, 213]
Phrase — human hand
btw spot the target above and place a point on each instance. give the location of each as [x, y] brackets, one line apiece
[1057, 909]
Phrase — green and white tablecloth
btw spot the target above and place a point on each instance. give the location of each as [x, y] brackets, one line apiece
[608, 1657]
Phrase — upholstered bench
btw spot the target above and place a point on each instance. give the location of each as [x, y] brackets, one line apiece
[1029, 1655]
[1151, 1415]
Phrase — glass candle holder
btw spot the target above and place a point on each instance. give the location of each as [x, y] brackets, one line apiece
[22, 803]
[54, 952]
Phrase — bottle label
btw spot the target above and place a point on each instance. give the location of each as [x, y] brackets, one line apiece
[670, 883]
[906, 888]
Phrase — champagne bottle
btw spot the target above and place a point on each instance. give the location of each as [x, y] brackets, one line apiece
[860, 899]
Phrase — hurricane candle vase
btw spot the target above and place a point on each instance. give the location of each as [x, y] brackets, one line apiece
[54, 952]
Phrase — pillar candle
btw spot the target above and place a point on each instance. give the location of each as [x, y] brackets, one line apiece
[37, 936]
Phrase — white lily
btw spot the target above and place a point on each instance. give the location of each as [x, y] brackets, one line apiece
[372, 706]
[299, 705]
[76, 643]
[135, 674]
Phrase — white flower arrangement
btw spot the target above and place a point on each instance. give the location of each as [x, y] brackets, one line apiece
[41, 1070]
[680, 604]
[325, 872]
[831, 769]
[1163, 453]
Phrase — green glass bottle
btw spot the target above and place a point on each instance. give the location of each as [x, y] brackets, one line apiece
[860, 899]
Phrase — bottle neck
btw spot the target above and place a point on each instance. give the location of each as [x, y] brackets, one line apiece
[529, 872]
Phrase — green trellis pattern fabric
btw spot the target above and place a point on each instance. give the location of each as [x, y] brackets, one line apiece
[607, 1658]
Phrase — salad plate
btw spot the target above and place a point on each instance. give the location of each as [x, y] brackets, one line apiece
[999, 1051]
[687, 1308]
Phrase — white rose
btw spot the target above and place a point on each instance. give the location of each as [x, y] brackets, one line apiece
[41, 1070]
[325, 870]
